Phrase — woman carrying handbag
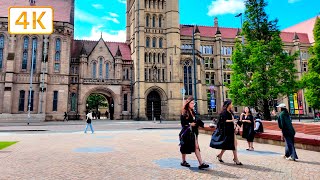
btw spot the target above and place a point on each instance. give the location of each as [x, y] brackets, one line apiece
[189, 134]
[224, 136]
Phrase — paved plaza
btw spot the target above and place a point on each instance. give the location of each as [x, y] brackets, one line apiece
[135, 150]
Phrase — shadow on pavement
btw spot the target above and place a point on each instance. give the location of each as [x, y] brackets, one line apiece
[309, 162]
[211, 171]
[252, 167]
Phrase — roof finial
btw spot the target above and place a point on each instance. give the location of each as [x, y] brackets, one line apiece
[101, 35]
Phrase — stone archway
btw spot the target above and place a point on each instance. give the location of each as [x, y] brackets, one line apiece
[156, 103]
[112, 98]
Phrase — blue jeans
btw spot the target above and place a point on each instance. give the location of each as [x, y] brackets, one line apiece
[290, 150]
[88, 125]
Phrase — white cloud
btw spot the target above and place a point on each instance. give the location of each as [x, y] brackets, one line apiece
[113, 14]
[116, 36]
[123, 1]
[115, 20]
[97, 6]
[293, 1]
[219, 7]
[85, 17]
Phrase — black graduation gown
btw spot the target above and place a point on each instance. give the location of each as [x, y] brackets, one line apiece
[248, 128]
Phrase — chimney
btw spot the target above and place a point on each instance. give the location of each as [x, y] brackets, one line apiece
[216, 22]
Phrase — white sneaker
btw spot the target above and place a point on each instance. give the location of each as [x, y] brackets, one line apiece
[290, 159]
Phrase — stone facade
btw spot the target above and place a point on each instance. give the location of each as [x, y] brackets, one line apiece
[141, 78]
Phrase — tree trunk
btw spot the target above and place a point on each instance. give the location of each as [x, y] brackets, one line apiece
[266, 110]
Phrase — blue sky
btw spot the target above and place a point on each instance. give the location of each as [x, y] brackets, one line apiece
[109, 16]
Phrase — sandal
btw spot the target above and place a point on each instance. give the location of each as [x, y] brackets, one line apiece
[203, 165]
[185, 164]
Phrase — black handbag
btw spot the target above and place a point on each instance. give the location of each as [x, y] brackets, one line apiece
[218, 137]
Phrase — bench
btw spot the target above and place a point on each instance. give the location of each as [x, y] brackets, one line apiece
[307, 135]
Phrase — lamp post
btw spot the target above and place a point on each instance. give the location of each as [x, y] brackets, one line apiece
[240, 15]
[45, 52]
[31, 76]
[194, 70]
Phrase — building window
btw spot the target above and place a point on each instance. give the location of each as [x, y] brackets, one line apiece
[162, 4]
[57, 55]
[304, 55]
[154, 58]
[206, 49]
[163, 75]
[94, 70]
[154, 21]
[149, 4]
[227, 63]
[1, 50]
[107, 71]
[210, 78]
[21, 100]
[160, 42]
[145, 74]
[160, 21]
[159, 71]
[25, 53]
[150, 57]
[73, 101]
[145, 3]
[31, 103]
[125, 102]
[226, 51]
[34, 53]
[158, 4]
[159, 58]
[187, 77]
[154, 42]
[227, 94]
[100, 68]
[305, 66]
[145, 57]
[149, 75]
[227, 78]
[148, 42]
[55, 101]
[154, 4]
[147, 20]
[163, 57]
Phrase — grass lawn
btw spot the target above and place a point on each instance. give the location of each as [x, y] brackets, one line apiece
[6, 144]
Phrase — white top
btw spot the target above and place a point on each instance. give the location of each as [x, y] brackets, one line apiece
[89, 115]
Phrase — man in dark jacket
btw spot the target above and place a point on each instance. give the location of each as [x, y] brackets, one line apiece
[288, 132]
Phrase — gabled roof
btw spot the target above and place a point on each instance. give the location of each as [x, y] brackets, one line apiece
[304, 27]
[63, 9]
[88, 46]
[231, 33]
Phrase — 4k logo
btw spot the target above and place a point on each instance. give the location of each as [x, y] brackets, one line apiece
[30, 20]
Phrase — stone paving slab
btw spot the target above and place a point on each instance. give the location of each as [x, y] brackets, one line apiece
[140, 154]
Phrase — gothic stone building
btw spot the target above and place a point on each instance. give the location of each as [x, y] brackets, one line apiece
[141, 77]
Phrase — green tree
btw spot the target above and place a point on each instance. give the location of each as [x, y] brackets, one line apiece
[96, 100]
[261, 70]
[311, 80]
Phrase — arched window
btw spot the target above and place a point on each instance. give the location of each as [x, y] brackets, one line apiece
[187, 77]
[158, 4]
[21, 100]
[163, 57]
[25, 52]
[100, 68]
[154, 58]
[154, 42]
[160, 21]
[145, 3]
[148, 42]
[147, 20]
[154, 21]
[154, 4]
[160, 43]
[57, 55]
[1, 49]
[149, 4]
[107, 71]
[94, 70]
[162, 4]
[159, 58]
[150, 57]
[34, 53]
[146, 57]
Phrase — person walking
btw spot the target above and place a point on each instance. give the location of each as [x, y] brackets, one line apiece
[288, 132]
[248, 127]
[65, 116]
[89, 123]
[224, 136]
[189, 134]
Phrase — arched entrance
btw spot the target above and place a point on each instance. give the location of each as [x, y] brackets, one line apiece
[100, 105]
[153, 105]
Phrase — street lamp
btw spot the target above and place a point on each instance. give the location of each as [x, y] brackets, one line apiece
[194, 69]
[240, 15]
[45, 52]
[31, 76]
